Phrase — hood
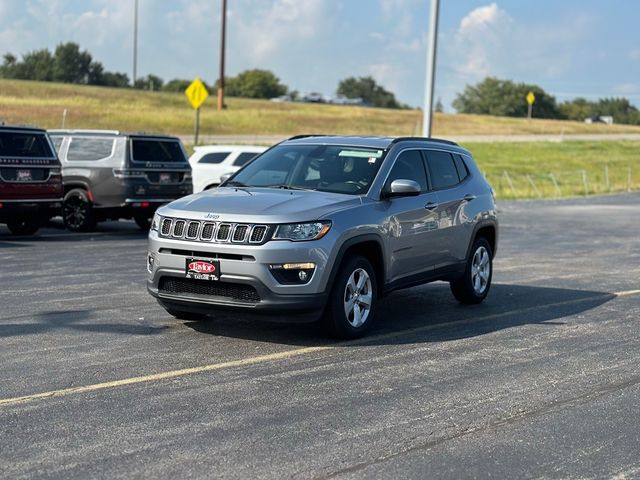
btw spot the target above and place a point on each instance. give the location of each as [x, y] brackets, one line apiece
[259, 205]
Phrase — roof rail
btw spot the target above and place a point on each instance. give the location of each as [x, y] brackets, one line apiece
[296, 137]
[424, 139]
[83, 130]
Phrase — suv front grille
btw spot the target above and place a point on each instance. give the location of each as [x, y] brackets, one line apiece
[216, 232]
[188, 286]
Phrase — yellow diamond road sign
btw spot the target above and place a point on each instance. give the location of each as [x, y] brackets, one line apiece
[531, 98]
[197, 93]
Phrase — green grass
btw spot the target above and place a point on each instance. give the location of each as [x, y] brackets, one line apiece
[42, 104]
[537, 162]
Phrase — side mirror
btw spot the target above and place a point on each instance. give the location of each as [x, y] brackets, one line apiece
[226, 176]
[402, 188]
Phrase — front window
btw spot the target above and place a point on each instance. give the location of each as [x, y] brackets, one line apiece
[326, 168]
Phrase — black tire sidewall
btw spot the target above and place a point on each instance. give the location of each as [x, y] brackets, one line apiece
[336, 319]
[89, 220]
[470, 292]
[24, 227]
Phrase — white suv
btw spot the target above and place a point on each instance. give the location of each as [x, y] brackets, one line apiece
[210, 162]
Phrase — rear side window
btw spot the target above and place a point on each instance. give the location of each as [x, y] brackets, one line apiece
[155, 150]
[24, 144]
[409, 166]
[217, 157]
[463, 171]
[243, 158]
[442, 169]
[89, 149]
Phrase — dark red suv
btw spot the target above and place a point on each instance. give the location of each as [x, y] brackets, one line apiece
[30, 179]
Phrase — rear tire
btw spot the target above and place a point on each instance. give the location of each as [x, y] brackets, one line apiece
[473, 287]
[143, 221]
[77, 211]
[23, 227]
[352, 302]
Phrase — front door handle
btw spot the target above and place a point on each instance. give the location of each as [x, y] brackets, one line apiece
[431, 206]
[468, 197]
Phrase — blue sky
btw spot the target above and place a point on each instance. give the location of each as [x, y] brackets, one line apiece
[589, 48]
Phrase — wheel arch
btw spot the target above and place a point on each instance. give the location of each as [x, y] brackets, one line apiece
[369, 246]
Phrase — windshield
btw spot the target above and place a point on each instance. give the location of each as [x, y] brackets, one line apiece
[153, 150]
[326, 168]
[23, 144]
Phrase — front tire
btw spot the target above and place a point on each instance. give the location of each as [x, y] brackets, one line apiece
[353, 299]
[23, 227]
[473, 286]
[77, 211]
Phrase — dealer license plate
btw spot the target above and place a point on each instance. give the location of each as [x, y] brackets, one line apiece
[202, 269]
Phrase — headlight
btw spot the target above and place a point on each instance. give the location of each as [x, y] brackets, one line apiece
[299, 232]
[155, 222]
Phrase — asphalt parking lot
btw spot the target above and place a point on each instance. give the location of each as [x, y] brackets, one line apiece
[542, 380]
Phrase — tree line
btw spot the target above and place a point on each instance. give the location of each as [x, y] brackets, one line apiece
[69, 64]
[493, 96]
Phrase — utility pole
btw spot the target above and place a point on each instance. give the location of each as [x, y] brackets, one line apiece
[135, 42]
[431, 69]
[222, 49]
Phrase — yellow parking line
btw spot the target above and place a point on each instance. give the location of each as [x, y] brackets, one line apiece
[291, 353]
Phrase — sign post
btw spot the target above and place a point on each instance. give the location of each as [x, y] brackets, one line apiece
[530, 99]
[196, 93]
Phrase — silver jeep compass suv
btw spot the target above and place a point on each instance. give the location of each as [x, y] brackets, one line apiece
[325, 226]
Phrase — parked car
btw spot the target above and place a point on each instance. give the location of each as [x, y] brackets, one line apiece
[30, 179]
[113, 175]
[210, 162]
[328, 226]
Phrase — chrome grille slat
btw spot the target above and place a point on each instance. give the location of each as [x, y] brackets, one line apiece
[208, 229]
[224, 232]
[214, 232]
[178, 228]
[166, 226]
[192, 230]
[239, 233]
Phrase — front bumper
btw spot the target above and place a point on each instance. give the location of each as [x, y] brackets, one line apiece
[243, 265]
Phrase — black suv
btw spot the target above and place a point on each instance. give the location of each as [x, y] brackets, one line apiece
[112, 175]
[30, 179]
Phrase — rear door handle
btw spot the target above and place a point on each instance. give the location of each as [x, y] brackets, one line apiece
[431, 206]
[468, 197]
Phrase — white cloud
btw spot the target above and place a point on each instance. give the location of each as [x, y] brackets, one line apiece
[269, 29]
[634, 54]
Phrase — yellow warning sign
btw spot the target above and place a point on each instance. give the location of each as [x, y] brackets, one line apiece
[197, 93]
[531, 98]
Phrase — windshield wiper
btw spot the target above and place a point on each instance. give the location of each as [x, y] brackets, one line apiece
[285, 186]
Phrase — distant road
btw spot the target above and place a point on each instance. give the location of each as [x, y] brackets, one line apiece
[271, 139]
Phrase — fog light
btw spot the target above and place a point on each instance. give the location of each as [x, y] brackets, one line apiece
[150, 262]
[299, 266]
[302, 275]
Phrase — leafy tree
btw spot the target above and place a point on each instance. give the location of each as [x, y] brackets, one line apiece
[150, 82]
[254, 84]
[176, 85]
[115, 79]
[505, 98]
[369, 91]
[70, 65]
[439, 107]
[576, 109]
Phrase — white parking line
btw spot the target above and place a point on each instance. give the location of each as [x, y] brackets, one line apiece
[292, 353]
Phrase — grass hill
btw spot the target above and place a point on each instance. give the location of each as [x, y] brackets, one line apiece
[516, 170]
[42, 104]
